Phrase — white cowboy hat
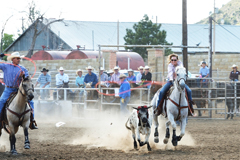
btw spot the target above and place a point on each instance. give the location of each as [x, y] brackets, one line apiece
[102, 69]
[130, 70]
[122, 76]
[146, 67]
[79, 70]
[61, 69]
[141, 67]
[200, 64]
[14, 55]
[110, 71]
[89, 67]
[116, 67]
[234, 65]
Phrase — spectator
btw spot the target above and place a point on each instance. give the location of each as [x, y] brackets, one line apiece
[61, 77]
[131, 78]
[234, 73]
[91, 77]
[110, 75]
[139, 75]
[44, 79]
[104, 76]
[115, 76]
[79, 79]
[204, 73]
[147, 76]
[124, 93]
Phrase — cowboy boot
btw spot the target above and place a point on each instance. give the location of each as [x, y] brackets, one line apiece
[191, 111]
[33, 123]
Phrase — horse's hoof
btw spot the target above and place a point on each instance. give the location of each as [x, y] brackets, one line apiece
[179, 138]
[149, 149]
[156, 139]
[27, 146]
[165, 141]
[174, 142]
[14, 152]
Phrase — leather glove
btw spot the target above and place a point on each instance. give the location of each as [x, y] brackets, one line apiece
[122, 100]
[2, 55]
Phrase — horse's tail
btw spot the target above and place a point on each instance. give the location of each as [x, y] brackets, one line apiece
[127, 125]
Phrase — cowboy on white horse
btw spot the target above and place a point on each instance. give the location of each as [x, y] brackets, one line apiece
[173, 63]
[12, 78]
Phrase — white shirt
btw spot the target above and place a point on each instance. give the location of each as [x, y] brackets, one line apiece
[171, 70]
[60, 78]
[138, 77]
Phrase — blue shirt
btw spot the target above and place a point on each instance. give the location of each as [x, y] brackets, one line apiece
[61, 78]
[132, 78]
[11, 74]
[91, 78]
[104, 77]
[125, 86]
[204, 71]
[79, 80]
[44, 79]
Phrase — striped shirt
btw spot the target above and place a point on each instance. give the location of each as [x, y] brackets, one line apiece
[44, 79]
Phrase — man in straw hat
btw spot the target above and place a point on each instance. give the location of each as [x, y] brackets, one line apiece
[80, 82]
[234, 73]
[139, 75]
[104, 76]
[91, 77]
[110, 73]
[61, 77]
[147, 76]
[115, 76]
[124, 93]
[44, 79]
[12, 75]
[173, 63]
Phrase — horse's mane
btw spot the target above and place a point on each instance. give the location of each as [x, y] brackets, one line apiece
[179, 67]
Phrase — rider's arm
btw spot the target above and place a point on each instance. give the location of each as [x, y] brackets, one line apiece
[25, 71]
[2, 66]
[95, 81]
[66, 78]
[170, 73]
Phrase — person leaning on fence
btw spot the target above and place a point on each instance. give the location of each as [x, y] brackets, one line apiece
[139, 75]
[234, 73]
[104, 76]
[173, 63]
[44, 79]
[61, 78]
[115, 76]
[147, 77]
[131, 78]
[204, 73]
[80, 82]
[124, 93]
[90, 77]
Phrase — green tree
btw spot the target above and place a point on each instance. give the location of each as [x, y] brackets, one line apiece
[7, 40]
[146, 33]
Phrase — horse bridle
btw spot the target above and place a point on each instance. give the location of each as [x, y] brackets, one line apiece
[26, 91]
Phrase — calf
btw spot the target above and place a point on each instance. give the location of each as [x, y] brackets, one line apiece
[140, 122]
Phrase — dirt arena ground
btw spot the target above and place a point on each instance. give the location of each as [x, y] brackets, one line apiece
[107, 138]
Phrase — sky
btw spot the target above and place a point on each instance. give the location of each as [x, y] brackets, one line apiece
[166, 11]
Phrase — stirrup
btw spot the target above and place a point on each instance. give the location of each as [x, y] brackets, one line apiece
[33, 125]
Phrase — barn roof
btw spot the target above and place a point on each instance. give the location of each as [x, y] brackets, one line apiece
[91, 34]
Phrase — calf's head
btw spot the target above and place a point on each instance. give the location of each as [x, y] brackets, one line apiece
[143, 114]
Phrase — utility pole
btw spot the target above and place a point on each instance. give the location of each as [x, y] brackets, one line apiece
[210, 48]
[214, 29]
[93, 39]
[118, 35]
[184, 34]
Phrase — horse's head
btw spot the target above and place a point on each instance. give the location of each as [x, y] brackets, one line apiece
[88, 85]
[143, 114]
[26, 87]
[65, 85]
[181, 78]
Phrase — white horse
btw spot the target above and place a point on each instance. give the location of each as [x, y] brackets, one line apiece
[18, 113]
[176, 107]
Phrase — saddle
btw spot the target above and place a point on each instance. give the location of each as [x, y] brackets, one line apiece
[160, 107]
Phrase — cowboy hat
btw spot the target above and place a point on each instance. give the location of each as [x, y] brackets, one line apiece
[89, 67]
[14, 55]
[61, 69]
[130, 70]
[200, 64]
[122, 76]
[116, 67]
[79, 70]
[234, 65]
[102, 69]
[110, 71]
[141, 67]
[146, 67]
[44, 70]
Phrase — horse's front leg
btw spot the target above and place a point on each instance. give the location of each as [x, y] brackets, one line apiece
[12, 139]
[27, 142]
[183, 126]
[155, 121]
[174, 137]
[165, 141]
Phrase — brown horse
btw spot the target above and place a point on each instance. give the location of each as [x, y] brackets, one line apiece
[154, 88]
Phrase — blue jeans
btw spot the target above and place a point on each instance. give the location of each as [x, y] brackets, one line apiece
[43, 92]
[5, 95]
[123, 106]
[167, 86]
[198, 81]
